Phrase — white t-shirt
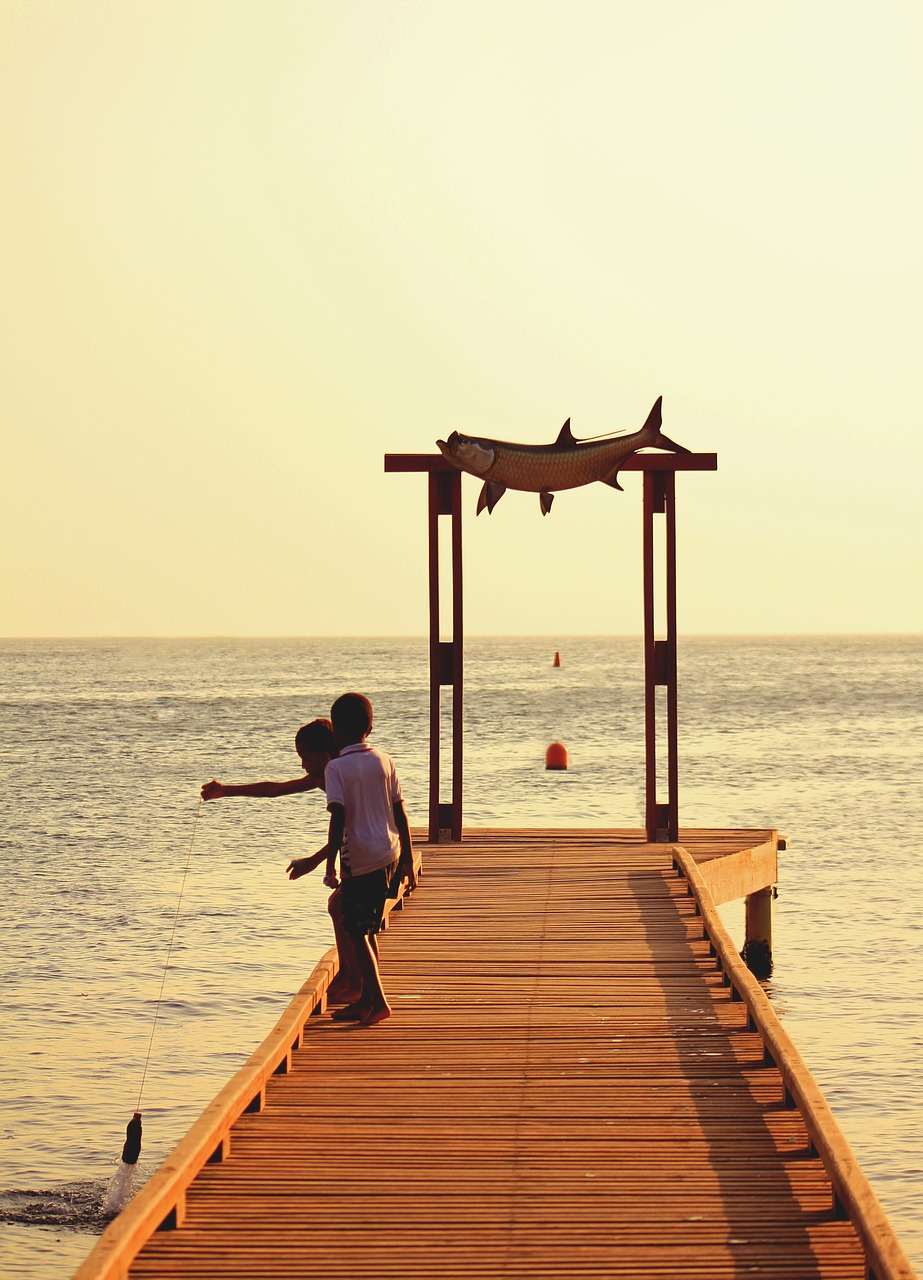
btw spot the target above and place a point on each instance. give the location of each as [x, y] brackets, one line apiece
[365, 782]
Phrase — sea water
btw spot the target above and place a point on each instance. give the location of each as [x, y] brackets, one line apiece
[106, 743]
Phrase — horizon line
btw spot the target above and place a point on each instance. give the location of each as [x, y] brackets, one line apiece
[473, 635]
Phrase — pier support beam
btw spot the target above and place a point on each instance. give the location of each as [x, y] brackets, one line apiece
[757, 952]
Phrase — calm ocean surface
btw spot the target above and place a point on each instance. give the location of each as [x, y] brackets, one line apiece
[105, 744]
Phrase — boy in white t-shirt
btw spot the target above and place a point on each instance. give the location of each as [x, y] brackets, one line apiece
[369, 830]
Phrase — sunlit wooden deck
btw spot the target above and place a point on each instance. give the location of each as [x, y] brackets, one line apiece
[570, 1086]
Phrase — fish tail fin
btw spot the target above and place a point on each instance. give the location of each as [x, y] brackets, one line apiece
[656, 438]
[654, 419]
[664, 442]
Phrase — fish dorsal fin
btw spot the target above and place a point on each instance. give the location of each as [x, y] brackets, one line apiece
[565, 437]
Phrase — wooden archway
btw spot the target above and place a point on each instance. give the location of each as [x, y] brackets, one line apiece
[446, 657]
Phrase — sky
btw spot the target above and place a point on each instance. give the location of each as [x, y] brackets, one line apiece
[248, 248]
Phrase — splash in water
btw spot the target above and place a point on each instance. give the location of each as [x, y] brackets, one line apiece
[77, 1205]
[80, 1206]
[120, 1188]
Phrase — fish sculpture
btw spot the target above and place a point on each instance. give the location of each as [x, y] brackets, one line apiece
[545, 468]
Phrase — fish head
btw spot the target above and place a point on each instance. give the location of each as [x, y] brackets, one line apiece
[467, 454]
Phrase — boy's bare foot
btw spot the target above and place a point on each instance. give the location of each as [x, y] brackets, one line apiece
[375, 1015]
[341, 991]
[354, 1012]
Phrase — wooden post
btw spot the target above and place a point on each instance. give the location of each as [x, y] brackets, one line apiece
[661, 819]
[446, 658]
[757, 950]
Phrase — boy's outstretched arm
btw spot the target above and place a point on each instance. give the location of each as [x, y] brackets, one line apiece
[405, 867]
[260, 790]
[301, 866]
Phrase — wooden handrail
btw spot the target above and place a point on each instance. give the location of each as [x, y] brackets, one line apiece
[854, 1197]
[161, 1202]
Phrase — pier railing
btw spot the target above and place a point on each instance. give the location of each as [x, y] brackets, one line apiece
[853, 1196]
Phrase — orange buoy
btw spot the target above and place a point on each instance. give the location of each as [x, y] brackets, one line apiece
[556, 756]
[557, 659]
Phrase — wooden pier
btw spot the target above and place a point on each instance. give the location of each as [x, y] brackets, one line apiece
[580, 1078]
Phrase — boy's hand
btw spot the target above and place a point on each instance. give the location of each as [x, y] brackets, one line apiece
[299, 867]
[406, 872]
[212, 791]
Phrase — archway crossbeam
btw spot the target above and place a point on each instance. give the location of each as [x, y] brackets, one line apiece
[446, 658]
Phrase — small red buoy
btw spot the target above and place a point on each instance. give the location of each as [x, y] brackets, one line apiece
[556, 756]
[557, 659]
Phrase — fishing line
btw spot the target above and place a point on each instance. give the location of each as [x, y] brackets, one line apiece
[166, 966]
[119, 1191]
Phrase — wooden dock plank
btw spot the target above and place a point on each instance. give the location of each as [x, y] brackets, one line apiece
[576, 1082]
[566, 1088]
